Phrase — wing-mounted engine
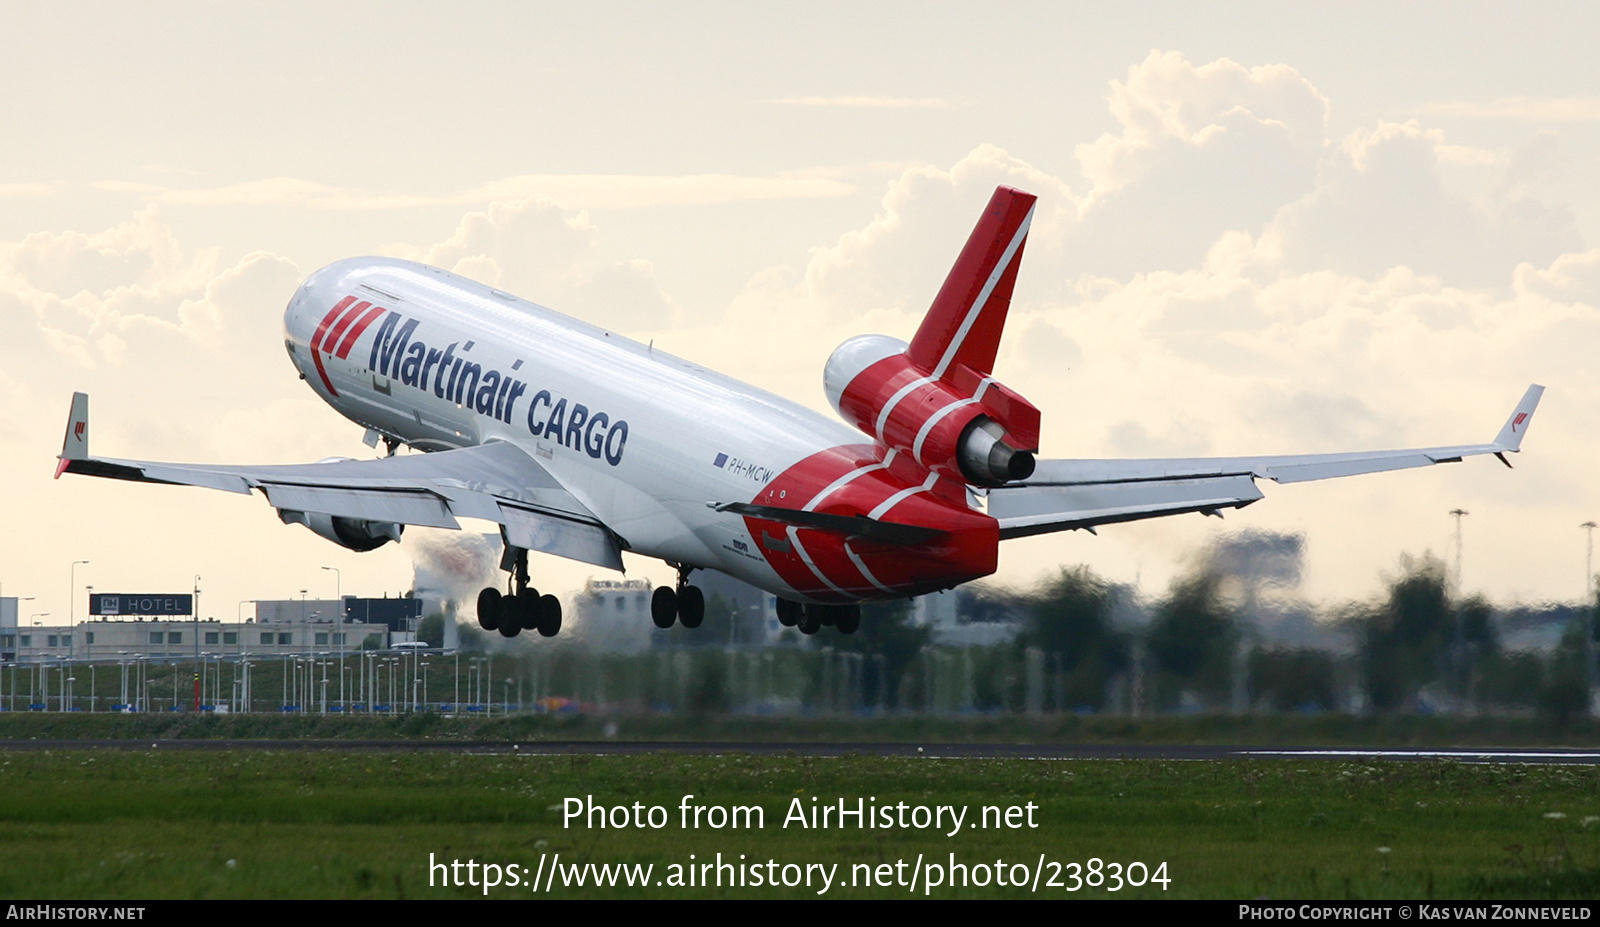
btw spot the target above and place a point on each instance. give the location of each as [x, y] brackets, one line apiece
[357, 534]
[934, 399]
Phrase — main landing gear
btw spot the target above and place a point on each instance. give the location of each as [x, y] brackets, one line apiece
[685, 604]
[810, 619]
[524, 609]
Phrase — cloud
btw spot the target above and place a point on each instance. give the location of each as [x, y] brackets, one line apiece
[1380, 204]
[1203, 149]
[92, 310]
[553, 256]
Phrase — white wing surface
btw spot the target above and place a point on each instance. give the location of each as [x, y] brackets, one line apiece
[496, 482]
[1066, 494]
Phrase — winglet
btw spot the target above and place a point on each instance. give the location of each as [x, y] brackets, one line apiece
[1510, 436]
[75, 446]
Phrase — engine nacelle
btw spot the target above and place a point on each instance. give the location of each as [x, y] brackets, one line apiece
[963, 424]
[356, 534]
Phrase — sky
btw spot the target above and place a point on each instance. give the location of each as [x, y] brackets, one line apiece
[1262, 228]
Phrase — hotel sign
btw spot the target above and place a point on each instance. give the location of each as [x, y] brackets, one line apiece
[143, 604]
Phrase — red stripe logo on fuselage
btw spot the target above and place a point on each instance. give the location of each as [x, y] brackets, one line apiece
[347, 318]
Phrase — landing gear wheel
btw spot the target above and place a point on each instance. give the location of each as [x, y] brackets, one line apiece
[528, 609]
[489, 609]
[691, 606]
[512, 617]
[810, 619]
[848, 619]
[788, 613]
[549, 616]
[664, 607]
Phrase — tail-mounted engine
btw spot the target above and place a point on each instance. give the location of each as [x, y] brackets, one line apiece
[964, 424]
[934, 398]
[356, 534]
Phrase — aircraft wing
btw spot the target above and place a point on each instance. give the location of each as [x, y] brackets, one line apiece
[1067, 494]
[497, 482]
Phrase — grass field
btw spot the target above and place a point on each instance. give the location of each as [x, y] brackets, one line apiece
[1258, 729]
[151, 824]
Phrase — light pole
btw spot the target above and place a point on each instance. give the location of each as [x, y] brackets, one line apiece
[196, 605]
[244, 636]
[71, 644]
[1588, 560]
[1589, 610]
[1457, 513]
[339, 621]
[72, 591]
[1457, 647]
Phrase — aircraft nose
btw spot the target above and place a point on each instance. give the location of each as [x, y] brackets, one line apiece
[294, 317]
[298, 326]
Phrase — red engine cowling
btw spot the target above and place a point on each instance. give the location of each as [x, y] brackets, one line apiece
[963, 424]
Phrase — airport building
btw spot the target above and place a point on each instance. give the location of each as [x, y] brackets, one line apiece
[613, 615]
[280, 628]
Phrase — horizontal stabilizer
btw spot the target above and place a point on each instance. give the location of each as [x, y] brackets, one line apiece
[1043, 509]
[860, 526]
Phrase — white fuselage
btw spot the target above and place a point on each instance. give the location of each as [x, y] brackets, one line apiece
[645, 439]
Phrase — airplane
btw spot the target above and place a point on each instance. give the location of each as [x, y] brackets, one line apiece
[583, 444]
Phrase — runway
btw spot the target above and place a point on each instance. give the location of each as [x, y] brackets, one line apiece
[1057, 752]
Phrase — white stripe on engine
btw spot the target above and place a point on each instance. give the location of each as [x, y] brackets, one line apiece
[927, 426]
[883, 417]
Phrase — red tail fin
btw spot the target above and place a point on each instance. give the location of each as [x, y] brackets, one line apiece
[964, 323]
